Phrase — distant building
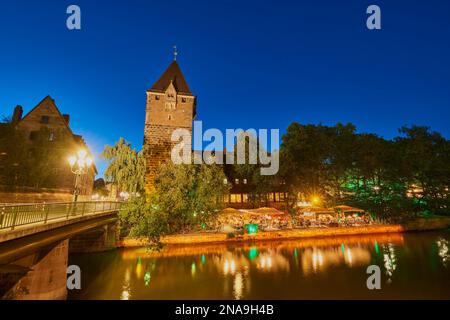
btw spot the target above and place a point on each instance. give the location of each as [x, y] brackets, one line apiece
[45, 118]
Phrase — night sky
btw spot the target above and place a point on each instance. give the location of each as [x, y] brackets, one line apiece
[252, 64]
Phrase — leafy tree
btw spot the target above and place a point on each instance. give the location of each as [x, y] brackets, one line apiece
[126, 167]
[186, 197]
[257, 184]
[191, 195]
[100, 187]
[406, 176]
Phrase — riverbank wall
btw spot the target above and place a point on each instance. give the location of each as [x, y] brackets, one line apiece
[416, 225]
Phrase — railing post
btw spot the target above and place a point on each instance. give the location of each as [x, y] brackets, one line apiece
[15, 218]
[103, 207]
[47, 209]
[68, 210]
[2, 214]
[84, 208]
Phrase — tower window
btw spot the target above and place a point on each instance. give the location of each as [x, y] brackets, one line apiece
[156, 97]
[183, 100]
[45, 119]
[33, 135]
[51, 136]
[169, 117]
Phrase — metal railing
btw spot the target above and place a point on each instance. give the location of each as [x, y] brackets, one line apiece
[12, 216]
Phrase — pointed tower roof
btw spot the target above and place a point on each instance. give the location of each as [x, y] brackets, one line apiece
[172, 74]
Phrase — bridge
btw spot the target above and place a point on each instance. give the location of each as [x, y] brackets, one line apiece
[35, 240]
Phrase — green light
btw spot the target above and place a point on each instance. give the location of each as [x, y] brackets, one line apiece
[342, 248]
[252, 228]
[252, 254]
[147, 278]
[203, 259]
[295, 253]
[377, 250]
[193, 268]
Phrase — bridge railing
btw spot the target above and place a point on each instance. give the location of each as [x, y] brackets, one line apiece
[12, 216]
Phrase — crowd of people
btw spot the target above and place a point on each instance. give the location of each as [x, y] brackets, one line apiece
[269, 219]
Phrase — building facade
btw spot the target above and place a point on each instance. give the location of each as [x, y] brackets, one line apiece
[45, 127]
[170, 105]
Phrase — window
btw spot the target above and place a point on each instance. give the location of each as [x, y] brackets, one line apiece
[236, 181]
[271, 197]
[170, 106]
[225, 181]
[156, 97]
[51, 136]
[45, 119]
[183, 100]
[169, 117]
[235, 198]
[245, 198]
[245, 181]
[33, 135]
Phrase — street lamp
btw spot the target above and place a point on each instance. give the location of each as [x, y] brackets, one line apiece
[79, 164]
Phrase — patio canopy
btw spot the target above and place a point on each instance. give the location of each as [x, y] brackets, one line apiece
[317, 210]
[345, 209]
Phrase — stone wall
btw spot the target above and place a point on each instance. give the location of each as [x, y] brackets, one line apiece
[39, 196]
[165, 113]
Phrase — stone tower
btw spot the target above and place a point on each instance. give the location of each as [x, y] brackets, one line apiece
[170, 105]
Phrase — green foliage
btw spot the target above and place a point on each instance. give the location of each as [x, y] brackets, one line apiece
[185, 197]
[126, 167]
[367, 171]
[191, 194]
[257, 184]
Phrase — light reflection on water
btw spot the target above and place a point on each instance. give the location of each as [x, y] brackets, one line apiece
[315, 268]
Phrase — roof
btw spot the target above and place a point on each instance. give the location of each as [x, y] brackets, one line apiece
[172, 74]
[52, 103]
[77, 138]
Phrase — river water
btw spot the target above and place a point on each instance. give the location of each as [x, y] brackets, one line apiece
[415, 265]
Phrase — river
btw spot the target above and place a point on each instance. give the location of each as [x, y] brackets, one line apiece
[415, 265]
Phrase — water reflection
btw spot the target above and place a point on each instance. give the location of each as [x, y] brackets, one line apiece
[390, 261]
[443, 250]
[125, 295]
[310, 268]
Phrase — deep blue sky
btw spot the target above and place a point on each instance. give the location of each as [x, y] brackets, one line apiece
[259, 64]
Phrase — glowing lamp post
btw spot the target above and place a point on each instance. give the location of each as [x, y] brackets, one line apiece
[79, 164]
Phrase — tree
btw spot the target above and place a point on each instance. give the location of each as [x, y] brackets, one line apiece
[257, 184]
[186, 197]
[191, 195]
[126, 167]
[100, 187]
